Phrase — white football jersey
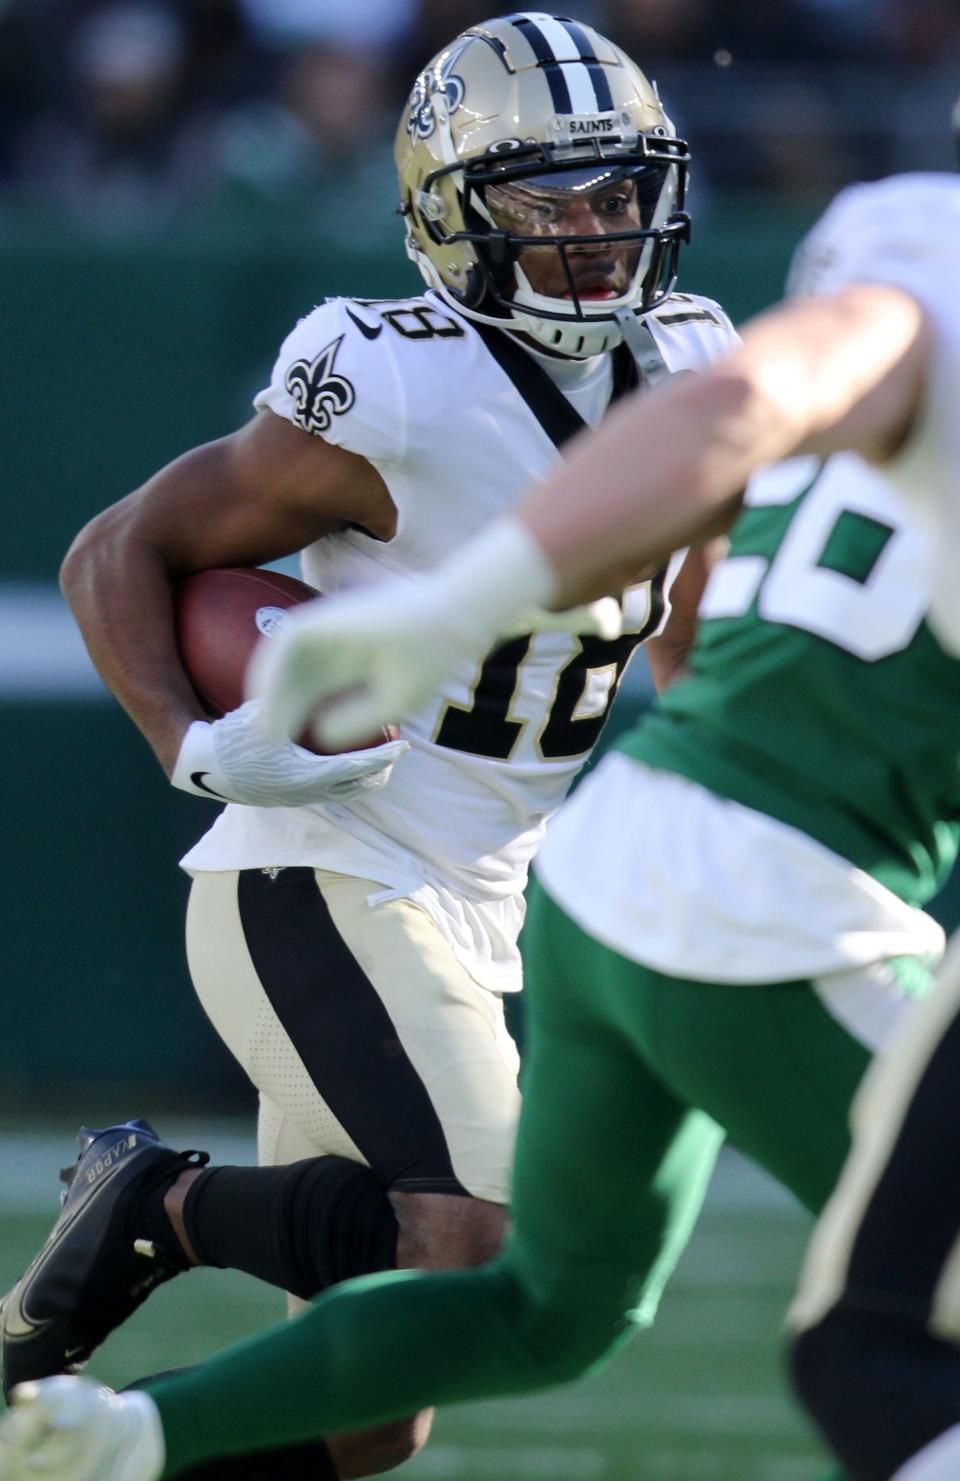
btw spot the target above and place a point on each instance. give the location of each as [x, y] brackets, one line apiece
[458, 419]
[905, 231]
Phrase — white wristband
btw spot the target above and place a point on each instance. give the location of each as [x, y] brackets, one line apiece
[496, 576]
[232, 760]
[197, 770]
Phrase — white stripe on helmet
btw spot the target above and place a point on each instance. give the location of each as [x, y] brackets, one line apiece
[583, 94]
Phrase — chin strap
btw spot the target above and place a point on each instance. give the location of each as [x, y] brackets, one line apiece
[639, 340]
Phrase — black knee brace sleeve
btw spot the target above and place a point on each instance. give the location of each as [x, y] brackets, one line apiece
[880, 1387]
[302, 1227]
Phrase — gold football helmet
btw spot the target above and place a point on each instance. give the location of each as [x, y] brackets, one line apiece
[541, 182]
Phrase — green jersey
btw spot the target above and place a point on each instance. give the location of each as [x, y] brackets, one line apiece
[784, 810]
[817, 693]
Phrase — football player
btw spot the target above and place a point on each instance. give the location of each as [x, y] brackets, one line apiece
[352, 930]
[876, 1356]
[803, 782]
[729, 917]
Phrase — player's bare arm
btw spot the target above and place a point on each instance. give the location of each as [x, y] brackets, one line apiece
[667, 653]
[665, 471]
[265, 491]
[817, 375]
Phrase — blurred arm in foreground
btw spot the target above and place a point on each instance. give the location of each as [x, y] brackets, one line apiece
[837, 371]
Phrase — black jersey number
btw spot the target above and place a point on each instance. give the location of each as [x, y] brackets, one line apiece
[565, 733]
[420, 321]
[487, 727]
[423, 322]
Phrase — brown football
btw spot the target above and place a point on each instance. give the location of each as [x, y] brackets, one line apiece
[220, 616]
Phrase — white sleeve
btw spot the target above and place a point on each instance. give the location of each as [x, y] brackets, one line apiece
[925, 470]
[906, 232]
[336, 377]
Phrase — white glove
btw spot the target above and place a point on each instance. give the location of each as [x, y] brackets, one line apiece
[232, 759]
[375, 655]
[75, 1429]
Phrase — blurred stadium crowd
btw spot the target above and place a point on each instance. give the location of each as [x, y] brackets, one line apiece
[131, 113]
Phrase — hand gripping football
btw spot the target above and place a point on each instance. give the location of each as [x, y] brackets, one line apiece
[220, 617]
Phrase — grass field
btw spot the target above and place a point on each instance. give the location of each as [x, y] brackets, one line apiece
[700, 1398]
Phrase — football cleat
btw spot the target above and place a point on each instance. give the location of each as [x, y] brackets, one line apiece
[94, 1268]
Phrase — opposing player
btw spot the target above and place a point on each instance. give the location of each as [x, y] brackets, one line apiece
[351, 938]
[876, 1355]
[727, 922]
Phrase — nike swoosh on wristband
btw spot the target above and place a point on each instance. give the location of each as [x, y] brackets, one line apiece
[365, 329]
[197, 777]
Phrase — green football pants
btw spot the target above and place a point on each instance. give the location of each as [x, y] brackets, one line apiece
[633, 1081]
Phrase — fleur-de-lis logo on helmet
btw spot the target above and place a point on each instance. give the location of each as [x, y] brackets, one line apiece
[318, 393]
[441, 80]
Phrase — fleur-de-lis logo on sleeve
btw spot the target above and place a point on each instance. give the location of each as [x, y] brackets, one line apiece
[319, 394]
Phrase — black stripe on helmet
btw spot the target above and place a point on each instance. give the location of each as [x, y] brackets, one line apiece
[601, 86]
[588, 55]
[559, 91]
[543, 51]
[533, 35]
[553, 69]
[579, 37]
[588, 58]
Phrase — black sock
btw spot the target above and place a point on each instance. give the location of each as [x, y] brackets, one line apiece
[149, 1219]
[308, 1462]
[302, 1227]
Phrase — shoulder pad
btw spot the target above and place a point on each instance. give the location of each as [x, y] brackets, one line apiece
[333, 380]
[904, 231]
